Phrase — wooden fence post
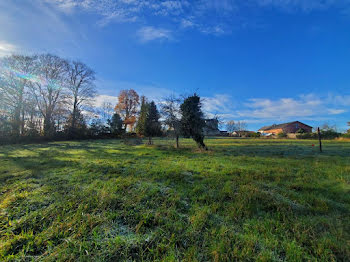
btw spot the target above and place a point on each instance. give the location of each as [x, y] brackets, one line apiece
[319, 138]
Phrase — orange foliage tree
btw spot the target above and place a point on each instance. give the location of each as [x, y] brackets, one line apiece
[128, 102]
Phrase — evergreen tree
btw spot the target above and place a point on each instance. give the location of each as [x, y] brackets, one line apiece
[116, 125]
[192, 121]
[97, 128]
[153, 126]
[141, 124]
[79, 128]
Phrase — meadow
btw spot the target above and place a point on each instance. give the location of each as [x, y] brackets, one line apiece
[243, 200]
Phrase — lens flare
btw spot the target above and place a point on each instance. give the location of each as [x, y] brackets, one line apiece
[8, 72]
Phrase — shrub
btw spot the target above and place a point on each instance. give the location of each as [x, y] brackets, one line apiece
[329, 134]
[307, 136]
[347, 135]
[282, 135]
[325, 134]
[254, 135]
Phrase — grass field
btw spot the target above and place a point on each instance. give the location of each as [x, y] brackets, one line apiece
[266, 200]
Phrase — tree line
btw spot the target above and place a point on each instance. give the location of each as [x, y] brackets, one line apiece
[43, 94]
[180, 117]
[46, 97]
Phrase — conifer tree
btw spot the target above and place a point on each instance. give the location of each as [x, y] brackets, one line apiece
[153, 126]
[79, 128]
[192, 121]
[116, 125]
[141, 124]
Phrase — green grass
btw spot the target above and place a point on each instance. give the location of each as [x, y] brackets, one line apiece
[265, 200]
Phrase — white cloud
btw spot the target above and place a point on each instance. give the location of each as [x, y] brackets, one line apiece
[308, 107]
[218, 104]
[150, 33]
[7, 48]
[340, 100]
[216, 30]
[100, 99]
[151, 91]
[65, 5]
[304, 106]
[187, 23]
[336, 111]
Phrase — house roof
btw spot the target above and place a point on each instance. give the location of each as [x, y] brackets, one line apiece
[265, 128]
[280, 126]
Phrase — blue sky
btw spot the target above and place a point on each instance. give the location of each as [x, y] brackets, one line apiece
[261, 61]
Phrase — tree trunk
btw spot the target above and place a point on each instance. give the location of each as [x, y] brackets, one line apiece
[74, 116]
[150, 140]
[17, 121]
[177, 141]
[18, 111]
[48, 124]
[22, 121]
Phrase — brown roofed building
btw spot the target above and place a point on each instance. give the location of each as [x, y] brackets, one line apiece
[211, 127]
[288, 128]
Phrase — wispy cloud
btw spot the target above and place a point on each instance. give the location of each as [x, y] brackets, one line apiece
[308, 107]
[339, 100]
[152, 91]
[303, 107]
[150, 33]
[336, 111]
[206, 16]
[302, 5]
[36, 26]
[65, 5]
[7, 48]
[101, 99]
[219, 104]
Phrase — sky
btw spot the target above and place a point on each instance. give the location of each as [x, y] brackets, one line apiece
[259, 61]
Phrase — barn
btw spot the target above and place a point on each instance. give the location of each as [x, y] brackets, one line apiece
[288, 128]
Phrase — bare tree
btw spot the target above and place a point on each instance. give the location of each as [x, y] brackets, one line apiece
[35, 92]
[231, 126]
[328, 127]
[34, 117]
[48, 87]
[60, 116]
[236, 126]
[81, 88]
[241, 126]
[106, 111]
[170, 109]
[14, 79]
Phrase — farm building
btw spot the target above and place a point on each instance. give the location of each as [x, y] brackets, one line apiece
[241, 133]
[224, 133]
[288, 128]
[211, 127]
